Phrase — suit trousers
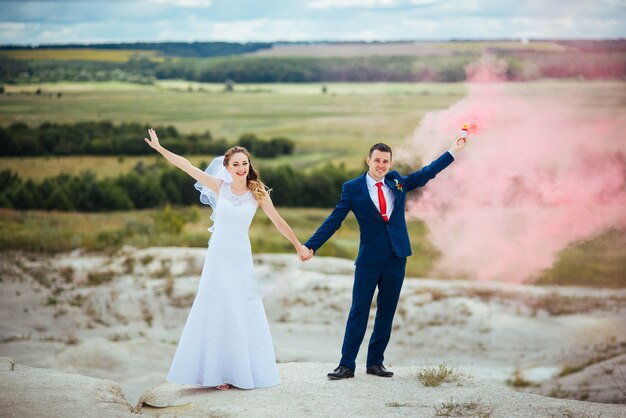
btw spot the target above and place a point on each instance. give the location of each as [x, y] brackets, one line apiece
[388, 276]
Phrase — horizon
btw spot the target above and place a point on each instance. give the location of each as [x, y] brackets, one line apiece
[314, 42]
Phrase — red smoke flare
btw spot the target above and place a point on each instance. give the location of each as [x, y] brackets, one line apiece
[541, 170]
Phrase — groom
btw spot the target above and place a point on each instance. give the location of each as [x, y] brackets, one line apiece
[377, 199]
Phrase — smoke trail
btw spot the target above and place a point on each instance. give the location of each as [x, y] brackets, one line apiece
[541, 171]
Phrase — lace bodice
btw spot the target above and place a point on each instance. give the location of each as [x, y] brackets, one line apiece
[233, 213]
[236, 200]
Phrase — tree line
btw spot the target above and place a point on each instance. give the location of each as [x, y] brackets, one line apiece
[522, 66]
[138, 70]
[313, 69]
[158, 184]
[241, 69]
[106, 138]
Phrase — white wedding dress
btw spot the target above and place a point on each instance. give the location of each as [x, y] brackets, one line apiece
[226, 338]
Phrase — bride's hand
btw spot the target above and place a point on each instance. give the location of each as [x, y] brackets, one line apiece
[154, 139]
[304, 253]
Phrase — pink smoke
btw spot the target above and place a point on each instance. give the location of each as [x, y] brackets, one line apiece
[540, 172]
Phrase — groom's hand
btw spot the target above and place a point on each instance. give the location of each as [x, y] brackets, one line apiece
[458, 145]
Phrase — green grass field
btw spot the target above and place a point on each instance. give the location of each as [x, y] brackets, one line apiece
[335, 127]
[599, 262]
[349, 116]
[53, 232]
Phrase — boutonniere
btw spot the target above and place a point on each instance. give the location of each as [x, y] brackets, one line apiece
[398, 185]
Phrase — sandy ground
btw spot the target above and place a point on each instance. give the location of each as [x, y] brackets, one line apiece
[35, 392]
[119, 317]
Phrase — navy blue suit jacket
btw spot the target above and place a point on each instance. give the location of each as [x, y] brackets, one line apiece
[378, 238]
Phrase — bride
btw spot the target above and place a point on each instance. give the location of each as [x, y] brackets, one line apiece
[226, 340]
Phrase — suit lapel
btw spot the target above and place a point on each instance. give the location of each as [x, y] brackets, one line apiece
[392, 185]
[390, 182]
[366, 193]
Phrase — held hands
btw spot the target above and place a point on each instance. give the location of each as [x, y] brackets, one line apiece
[154, 140]
[305, 253]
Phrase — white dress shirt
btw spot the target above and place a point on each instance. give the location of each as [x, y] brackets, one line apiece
[373, 189]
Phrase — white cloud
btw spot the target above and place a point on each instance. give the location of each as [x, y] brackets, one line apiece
[15, 31]
[366, 4]
[58, 35]
[264, 30]
[184, 3]
[343, 4]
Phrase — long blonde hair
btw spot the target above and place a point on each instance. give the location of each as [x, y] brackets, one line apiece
[253, 180]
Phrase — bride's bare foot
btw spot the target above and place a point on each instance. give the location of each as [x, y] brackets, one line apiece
[225, 386]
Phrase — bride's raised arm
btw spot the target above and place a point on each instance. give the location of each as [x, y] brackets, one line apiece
[209, 181]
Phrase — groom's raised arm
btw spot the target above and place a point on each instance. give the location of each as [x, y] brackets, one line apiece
[332, 223]
[420, 177]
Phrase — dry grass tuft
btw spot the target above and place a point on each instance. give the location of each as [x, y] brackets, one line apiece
[518, 381]
[77, 300]
[147, 315]
[617, 375]
[396, 404]
[96, 278]
[67, 273]
[467, 409]
[433, 376]
[164, 271]
[129, 265]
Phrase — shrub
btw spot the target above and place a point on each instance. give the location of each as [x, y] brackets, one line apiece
[96, 278]
[168, 221]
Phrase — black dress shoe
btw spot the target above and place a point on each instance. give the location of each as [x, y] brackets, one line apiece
[379, 370]
[341, 372]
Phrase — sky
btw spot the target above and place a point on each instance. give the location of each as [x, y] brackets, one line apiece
[71, 21]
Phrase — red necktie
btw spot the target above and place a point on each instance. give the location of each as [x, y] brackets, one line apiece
[381, 201]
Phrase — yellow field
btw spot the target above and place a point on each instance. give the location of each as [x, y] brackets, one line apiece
[38, 168]
[104, 55]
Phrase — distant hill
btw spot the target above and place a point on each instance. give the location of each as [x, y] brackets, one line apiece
[305, 62]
